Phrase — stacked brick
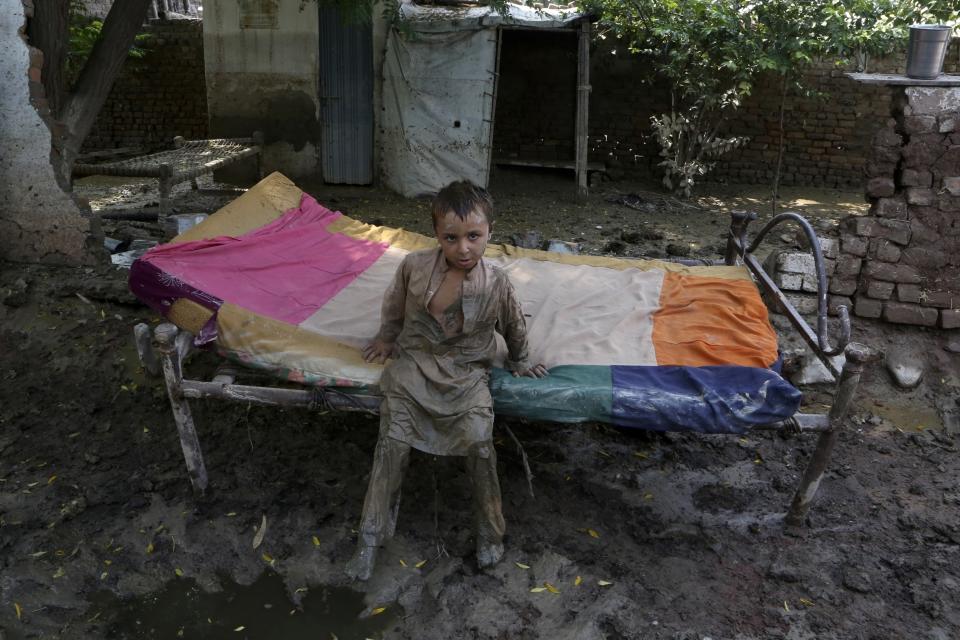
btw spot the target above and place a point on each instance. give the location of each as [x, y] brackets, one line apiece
[159, 96]
[901, 263]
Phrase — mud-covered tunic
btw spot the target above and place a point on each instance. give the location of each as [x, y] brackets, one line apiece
[436, 389]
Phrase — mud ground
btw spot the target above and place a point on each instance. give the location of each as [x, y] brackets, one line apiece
[638, 534]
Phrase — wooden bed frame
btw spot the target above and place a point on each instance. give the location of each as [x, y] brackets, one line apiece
[188, 160]
[173, 345]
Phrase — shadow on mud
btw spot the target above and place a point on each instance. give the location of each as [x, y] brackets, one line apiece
[259, 610]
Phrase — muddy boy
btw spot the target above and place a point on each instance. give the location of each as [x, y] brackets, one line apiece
[439, 320]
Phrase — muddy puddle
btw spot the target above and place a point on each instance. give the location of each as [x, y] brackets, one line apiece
[182, 609]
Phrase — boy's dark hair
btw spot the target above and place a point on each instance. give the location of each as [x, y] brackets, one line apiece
[462, 198]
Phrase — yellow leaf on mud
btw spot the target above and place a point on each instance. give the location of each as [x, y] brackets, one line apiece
[786, 607]
[266, 556]
[604, 583]
[232, 514]
[258, 536]
[179, 572]
[551, 588]
[593, 534]
[103, 576]
[16, 607]
[805, 602]
[316, 541]
[648, 496]
[59, 573]
[642, 455]
[52, 478]
[402, 562]
[378, 611]
[38, 554]
[538, 590]
[420, 564]
[150, 548]
[521, 565]
[301, 590]
[108, 562]
[577, 581]
[240, 628]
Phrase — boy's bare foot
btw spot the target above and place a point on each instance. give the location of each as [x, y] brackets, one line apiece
[489, 554]
[361, 565]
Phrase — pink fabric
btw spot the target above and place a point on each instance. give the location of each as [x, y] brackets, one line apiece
[285, 270]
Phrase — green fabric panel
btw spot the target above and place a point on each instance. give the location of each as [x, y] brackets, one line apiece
[571, 393]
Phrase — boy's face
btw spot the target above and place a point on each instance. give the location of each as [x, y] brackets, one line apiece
[462, 241]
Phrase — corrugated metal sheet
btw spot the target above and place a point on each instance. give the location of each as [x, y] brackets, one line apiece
[346, 99]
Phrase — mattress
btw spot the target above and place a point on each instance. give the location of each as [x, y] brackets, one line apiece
[278, 282]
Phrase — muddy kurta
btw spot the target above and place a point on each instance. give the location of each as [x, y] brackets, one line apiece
[436, 393]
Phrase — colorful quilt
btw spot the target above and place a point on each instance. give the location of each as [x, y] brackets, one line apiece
[279, 282]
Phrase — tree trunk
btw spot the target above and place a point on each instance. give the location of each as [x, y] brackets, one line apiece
[79, 112]
[49, 31]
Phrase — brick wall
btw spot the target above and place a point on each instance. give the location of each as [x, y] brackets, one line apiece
[828, 138]
[159, 96]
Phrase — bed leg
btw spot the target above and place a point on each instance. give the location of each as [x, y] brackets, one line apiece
[739, 221]
[166, 176]
[856, 356]
[171, 359]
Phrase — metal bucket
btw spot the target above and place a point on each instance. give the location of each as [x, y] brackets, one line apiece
[927, 50]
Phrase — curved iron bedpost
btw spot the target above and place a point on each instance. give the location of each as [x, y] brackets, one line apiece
[823, 339]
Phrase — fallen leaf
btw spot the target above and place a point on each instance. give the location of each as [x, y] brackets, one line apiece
[38, 554]
[19, 611]
[52, 478]
[420, 564]
[538, 589]
[641, 455]
[378, 611]
[604, 583]
[301, 590]
[232, 514]
[179, 572]
[551, 588]
[805, 602]
[577, 581]
[266, 556]
[402, 562]
[59, 573]
[521, 565]
[150, 548]
[593, 534]
[103, 576]
[240, 628]
[648, 496]
[258, 536]
[316, 541]
[786, 607]
[108, 562]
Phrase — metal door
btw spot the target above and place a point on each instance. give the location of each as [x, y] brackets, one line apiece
[346, 99]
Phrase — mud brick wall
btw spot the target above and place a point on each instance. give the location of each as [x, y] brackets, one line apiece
[159, 96]
[828, 137]
[901, 263]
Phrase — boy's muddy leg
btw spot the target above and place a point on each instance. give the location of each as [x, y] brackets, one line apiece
[488, 512]
[390, 460]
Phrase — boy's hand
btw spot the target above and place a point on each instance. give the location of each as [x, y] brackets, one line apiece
[536, 371]
[378, 351]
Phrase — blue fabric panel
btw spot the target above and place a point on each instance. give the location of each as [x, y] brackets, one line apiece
[719, 399]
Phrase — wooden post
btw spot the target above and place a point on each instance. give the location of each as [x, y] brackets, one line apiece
[166, 177]
[171, 359]
[856, 357]
[583, 107]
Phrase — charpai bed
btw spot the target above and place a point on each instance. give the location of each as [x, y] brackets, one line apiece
[278, 283]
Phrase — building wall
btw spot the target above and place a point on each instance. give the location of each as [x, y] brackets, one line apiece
[159, 96]
[263, 75]
[39, 222]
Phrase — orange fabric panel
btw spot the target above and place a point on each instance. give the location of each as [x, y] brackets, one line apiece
[712, 321]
